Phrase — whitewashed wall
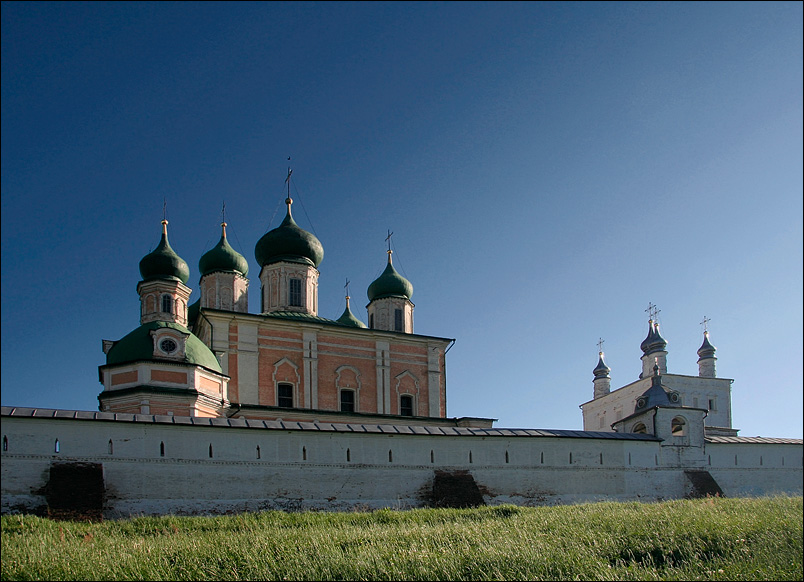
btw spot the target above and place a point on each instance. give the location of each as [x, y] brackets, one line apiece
[315, 469]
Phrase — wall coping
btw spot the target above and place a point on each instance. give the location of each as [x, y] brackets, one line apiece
[60, 414]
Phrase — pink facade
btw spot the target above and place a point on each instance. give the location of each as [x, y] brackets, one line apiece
[317, 361]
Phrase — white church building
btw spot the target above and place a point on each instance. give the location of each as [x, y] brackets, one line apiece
[207, 408]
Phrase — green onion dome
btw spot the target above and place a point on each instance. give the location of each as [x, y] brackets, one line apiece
[163, 262]
[222, 257]
[390, 284]
[288, 242]
[348, 317]
[138, 346]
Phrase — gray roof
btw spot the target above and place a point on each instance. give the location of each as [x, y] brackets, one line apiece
[316, 426]
[753, 440]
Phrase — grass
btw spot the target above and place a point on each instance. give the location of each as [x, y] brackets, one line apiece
[706, 539]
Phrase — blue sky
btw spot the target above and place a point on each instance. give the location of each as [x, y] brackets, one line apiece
[547, 169]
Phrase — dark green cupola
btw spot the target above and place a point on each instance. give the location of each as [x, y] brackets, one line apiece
[289, 243]
[222, 257]
[390, 284]
[163, 262]
[348, 317]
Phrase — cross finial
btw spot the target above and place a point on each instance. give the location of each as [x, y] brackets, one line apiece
[347, 288]
[704, 323]
[164, 208]
[287, 180]
[653, 312]
[600, 345]
[388, 239]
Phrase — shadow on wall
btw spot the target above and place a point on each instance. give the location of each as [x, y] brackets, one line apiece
[455, 489]
[75, 491]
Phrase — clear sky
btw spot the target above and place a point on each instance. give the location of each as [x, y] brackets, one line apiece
[547, 169]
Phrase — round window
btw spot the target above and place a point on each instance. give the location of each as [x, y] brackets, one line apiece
[168, 345]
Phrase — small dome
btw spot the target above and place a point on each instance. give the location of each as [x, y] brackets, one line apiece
[288, 242]
[707, 350]
[657, 395]
[654, 342]
[348, 318]
[390, 284]
[139, 346]
[163, 262]
[601, 370]
[222, 257]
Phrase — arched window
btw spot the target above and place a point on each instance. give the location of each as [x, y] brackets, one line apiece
[57, 448]
[162, 449]
[678, 426]
[5, 443]
[111, 447]
[258, 451]
[210, 450]
[167, 304]
[640, 428]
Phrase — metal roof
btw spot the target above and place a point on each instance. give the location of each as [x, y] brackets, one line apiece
[22, 412]
[753, 440]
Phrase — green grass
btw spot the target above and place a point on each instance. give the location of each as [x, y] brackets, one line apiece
[707, 539]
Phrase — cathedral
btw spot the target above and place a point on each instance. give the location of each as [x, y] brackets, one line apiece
[215, 359]
[207, 408]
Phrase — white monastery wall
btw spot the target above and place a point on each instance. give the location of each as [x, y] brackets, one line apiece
[755, 469]
[156, 465]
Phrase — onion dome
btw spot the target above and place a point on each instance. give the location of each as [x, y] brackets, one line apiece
[222, 257]
[348, 318]
[654, 342]
[163, 262]
[390, 284]
[601, 370]
[288, 242]
[707, 350]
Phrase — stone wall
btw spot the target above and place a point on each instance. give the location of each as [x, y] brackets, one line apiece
[157, 465]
